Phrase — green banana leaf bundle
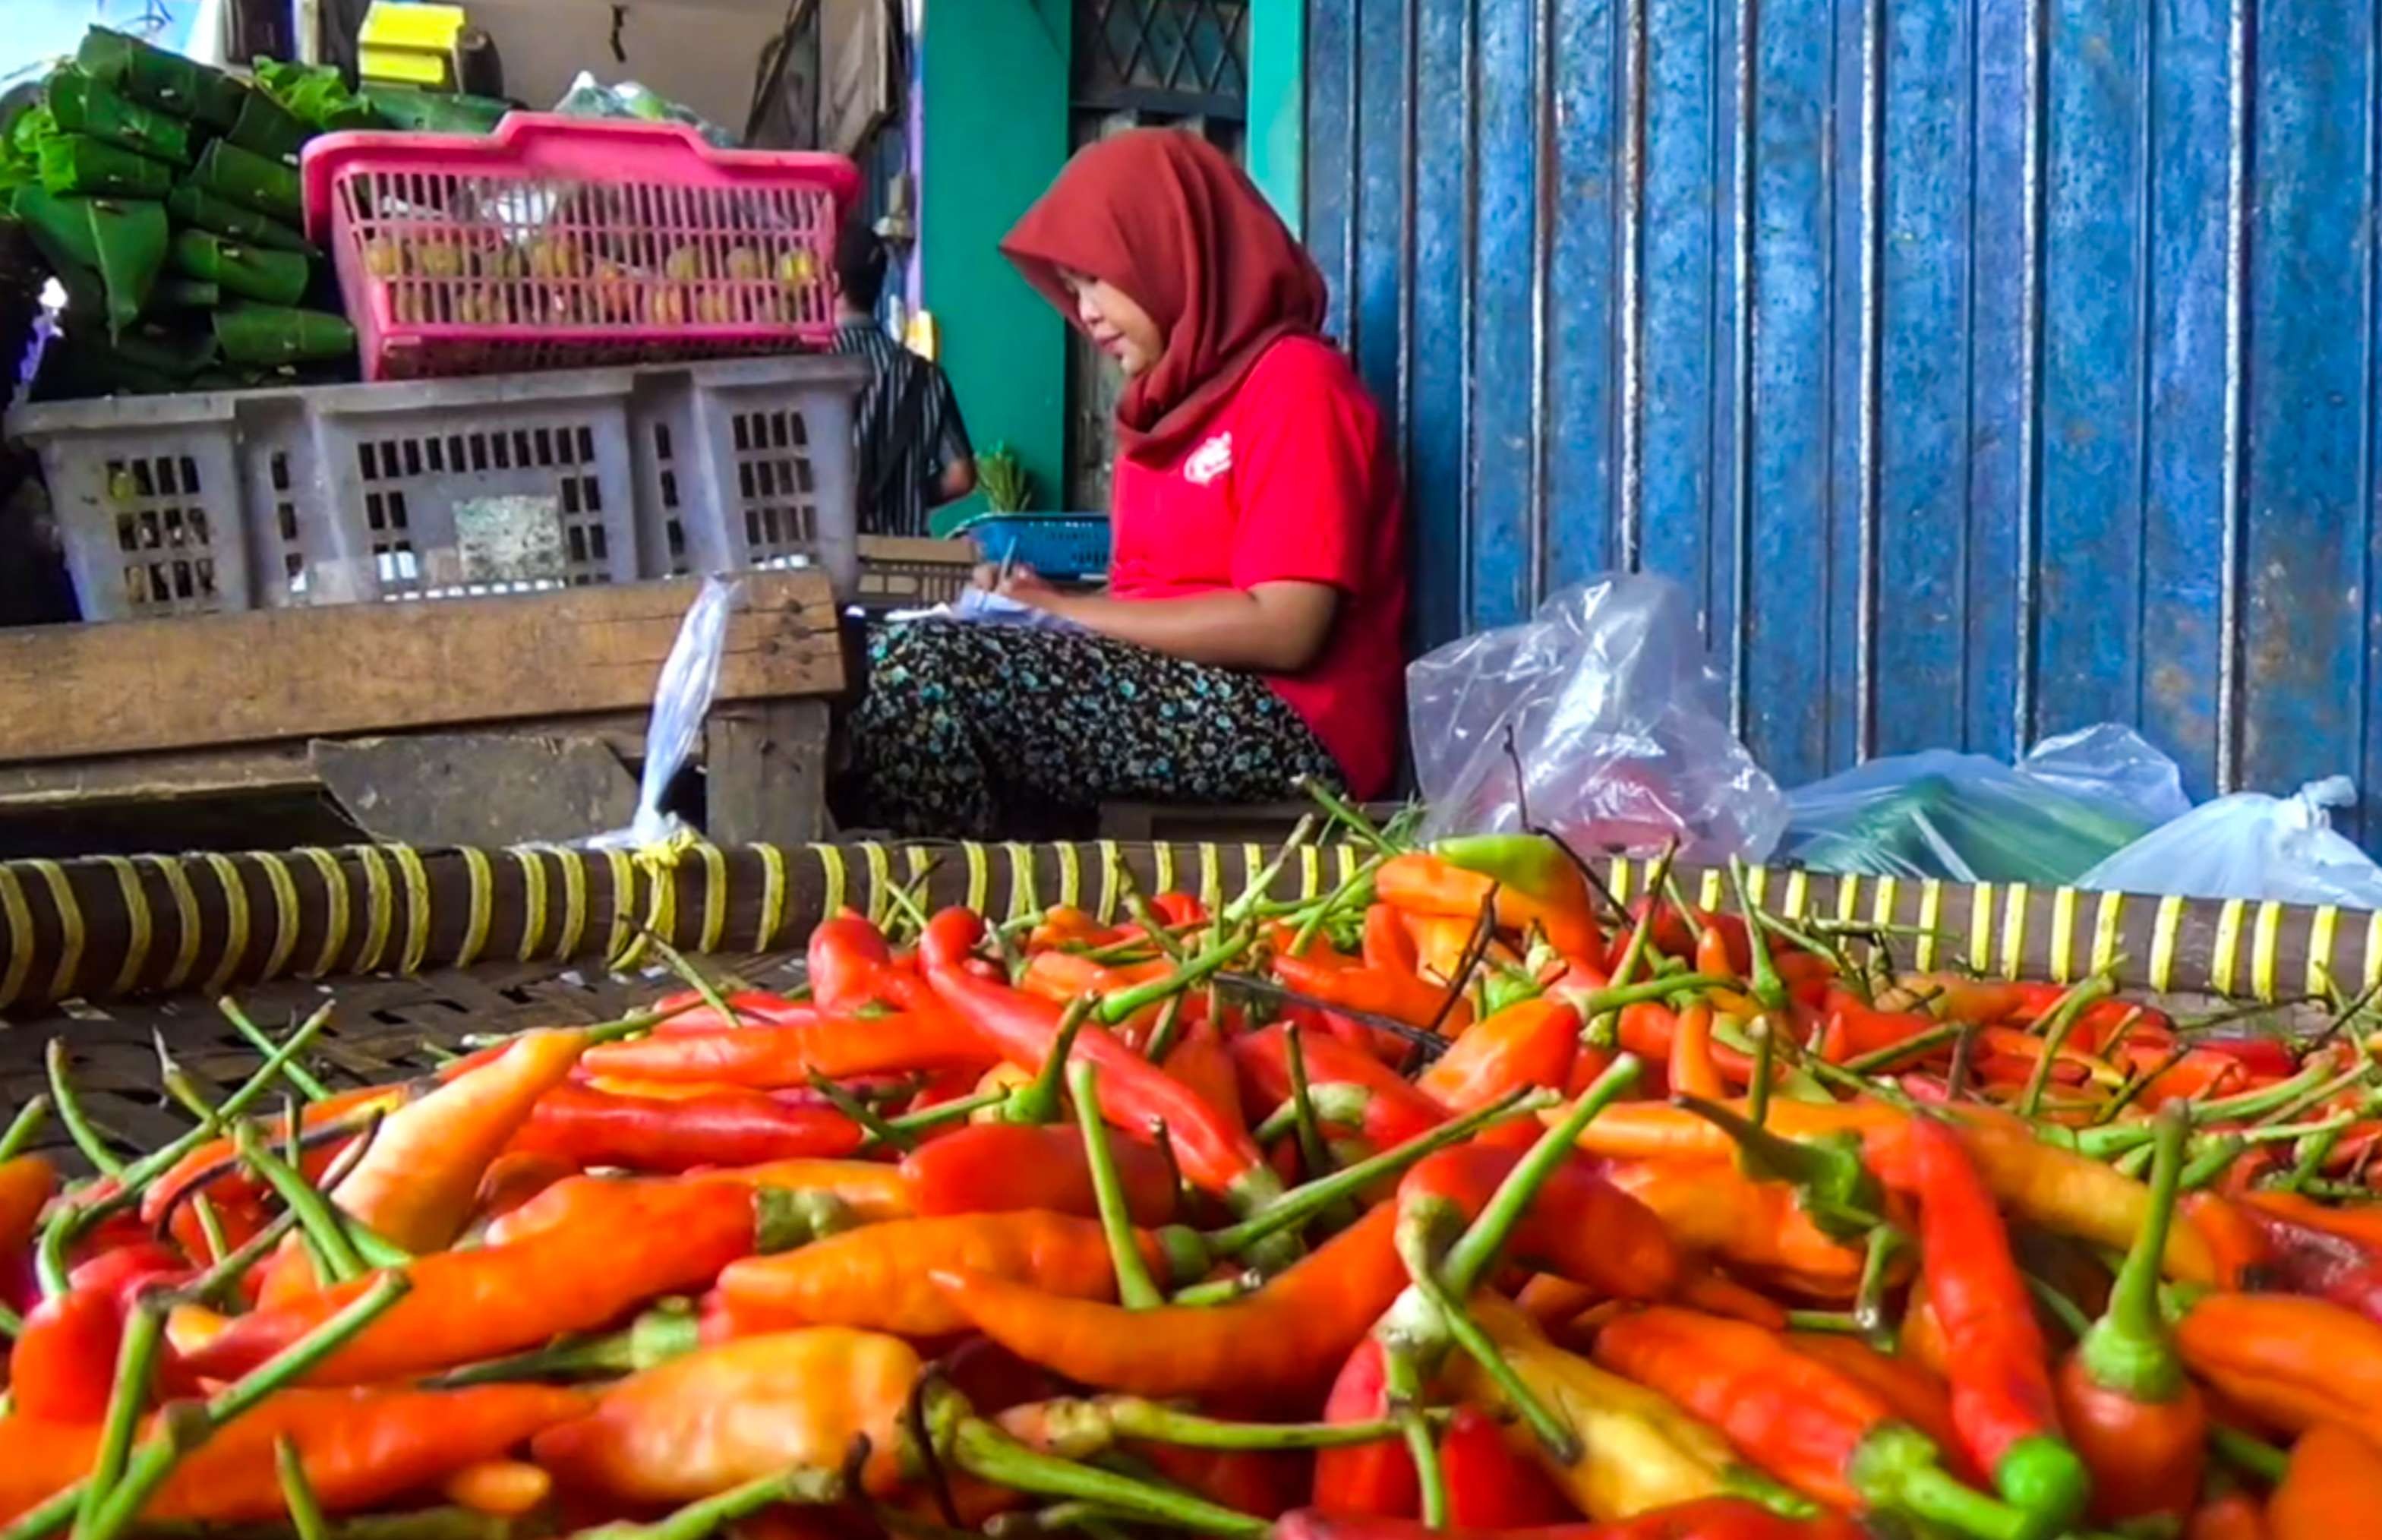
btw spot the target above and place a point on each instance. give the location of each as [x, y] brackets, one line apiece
[83, 105]
[270, 335]
[251, 181]
[315, 95]
[74, 164]
[428, 112]
[162, 80]
[124, 241]
[265, 128]
[177, 293]
[194, 205]
[276, 277]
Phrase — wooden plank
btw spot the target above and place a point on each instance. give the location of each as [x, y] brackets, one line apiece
[766, 774]
[202, 681]
[479, 789]
[247, 770]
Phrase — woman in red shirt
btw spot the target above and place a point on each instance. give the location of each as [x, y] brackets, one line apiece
[1250, 634]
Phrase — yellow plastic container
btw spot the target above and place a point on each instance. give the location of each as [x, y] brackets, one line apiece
[402, 43]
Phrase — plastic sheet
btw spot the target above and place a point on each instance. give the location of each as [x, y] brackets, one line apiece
[2251, 845]
[2075, 800]
[681, 700]
[1616, 719]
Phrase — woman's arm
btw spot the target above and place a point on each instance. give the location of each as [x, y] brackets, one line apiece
[1271, 627]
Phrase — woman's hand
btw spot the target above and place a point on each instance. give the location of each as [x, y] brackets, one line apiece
[1023, 584]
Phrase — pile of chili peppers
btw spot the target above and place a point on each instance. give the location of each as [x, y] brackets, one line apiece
[1465, 1200]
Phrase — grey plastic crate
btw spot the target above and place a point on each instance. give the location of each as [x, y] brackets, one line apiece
[435, 488]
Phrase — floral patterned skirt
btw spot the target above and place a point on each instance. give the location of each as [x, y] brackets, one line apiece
[982, 731]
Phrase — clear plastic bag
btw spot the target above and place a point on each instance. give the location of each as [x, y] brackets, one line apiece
[589, 97]
[681, 700]
[1615, 718]
[2075, 800]
[2251, 845]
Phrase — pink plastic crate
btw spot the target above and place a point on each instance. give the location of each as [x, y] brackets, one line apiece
[559, 242]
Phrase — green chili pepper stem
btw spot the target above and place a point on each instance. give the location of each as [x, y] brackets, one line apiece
[1136, 1290]
[1841, 1322]
[1253, 891]
[1137, 903]
[957, 1110]
[2249, 1104]
[1037, 1101]
[136, 1366]
[2314, 1151]
[1842, 1195]
[656, 1336]
[297, 1493]
[1335, 1101]
[2253, 1455]
[880, 1131]
[2128, 1350]
[1302, 1203]
[1910, 1047]
[1845, 1079]
[1119, 1006]
[186, 1425]
[983, 1451]
[1311, 1152]
[1869, 1296]
[1768, 987]
[697, 1520]
[2210, 1164]
[1343, 813]
[1432, 1315]
[1476, 1251]
[1401, 1379]
[2056, 1023]
[1614, 996]
[296, 1074]
[2285, 1133]
[1642, 934]
[2070, 1315]
[1894, 1468]
[2136, 1084]
[86, 1138]
[315, 1216]
[1795, 1081]
[1358, 881]
[2314, 1096]
[1164, 1032]
[1079, 1427]
[23, 1127]
[1216, 1291]
[1757, 1092]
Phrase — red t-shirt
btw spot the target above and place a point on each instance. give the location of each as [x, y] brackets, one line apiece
[1291, 481]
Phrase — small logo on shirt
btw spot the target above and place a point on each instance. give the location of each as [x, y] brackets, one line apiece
[1210, 461]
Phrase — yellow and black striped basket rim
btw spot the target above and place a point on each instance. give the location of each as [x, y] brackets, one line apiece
[113, 926]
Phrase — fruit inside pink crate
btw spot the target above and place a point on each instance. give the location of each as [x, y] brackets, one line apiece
[560, 242]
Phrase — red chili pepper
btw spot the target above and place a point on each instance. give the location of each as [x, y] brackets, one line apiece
[63, 1366]
[1490, 1485]
[1177, 909]
[1579, 1226]
[725, 1128]
[766, 1057]
[844, 953]
[2259, 1055]
[2002, 1396]
[1217, 1155]
[1200, 1060]
[689, 1012]
[1003, 1168]
[951, 937]
[1386, 943]
[1710, 1519]
[1855, 1027]
[1375, 992]
[1386, 1108]
[1376, 1478]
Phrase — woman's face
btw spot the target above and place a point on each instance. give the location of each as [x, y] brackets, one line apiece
[1118, 326]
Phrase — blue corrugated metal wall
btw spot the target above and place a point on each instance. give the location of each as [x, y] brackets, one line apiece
[1986, 368]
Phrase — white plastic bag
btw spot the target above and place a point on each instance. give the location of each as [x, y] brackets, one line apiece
[2251, 845]
[1616, 720]
[681, 700]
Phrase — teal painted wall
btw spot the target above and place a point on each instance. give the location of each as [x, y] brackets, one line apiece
[996, 76]
[1277, 142]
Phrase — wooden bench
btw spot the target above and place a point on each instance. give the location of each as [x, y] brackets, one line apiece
[473, 720]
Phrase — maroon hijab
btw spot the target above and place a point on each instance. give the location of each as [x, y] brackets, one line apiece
[1168, 218]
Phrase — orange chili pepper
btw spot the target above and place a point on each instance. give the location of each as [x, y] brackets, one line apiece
[2292, 1361]
[1386, 941]
[872, 1190]
[724, 1415]
[1286, 1339]
[1200, 1060]
[1004, 1167]
[1375, 992]
[1910, 1391]
[27, 1184]
[358, 1447]
[501, 1488]
[881, 1278]
[1426, 885]
[1692, 1071]
[1756, 1227]
[515, 1178]
[575, 1258]
[2333, 1488]
[1531, 1043]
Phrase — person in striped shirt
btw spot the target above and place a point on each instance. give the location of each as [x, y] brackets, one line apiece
[914, 450]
